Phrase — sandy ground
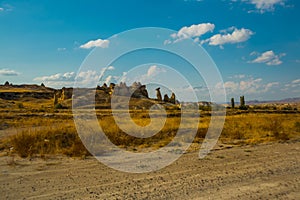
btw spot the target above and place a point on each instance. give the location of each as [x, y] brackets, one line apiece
[269, 171]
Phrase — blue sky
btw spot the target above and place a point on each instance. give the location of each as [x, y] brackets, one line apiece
[254, 43]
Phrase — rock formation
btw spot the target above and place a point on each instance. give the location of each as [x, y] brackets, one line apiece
[158, 94]
[166, 98]
[172, 98]
[103, 93]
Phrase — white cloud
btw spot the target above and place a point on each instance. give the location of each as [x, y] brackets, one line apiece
[154, 71]
[194, 31]
[95, 43]
[247, 86]
[270, 85]
[268, 57]
[108, 79]
[1, 9]
[110, 68]
[297, 81]
[237, 36]
[147, 75]
[293, 86]
[86, 78]
[8, 72]
[262, 6]
[266, 5]
[68, 76]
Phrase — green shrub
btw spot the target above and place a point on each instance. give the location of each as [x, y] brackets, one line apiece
[20, 105]
[58, 106]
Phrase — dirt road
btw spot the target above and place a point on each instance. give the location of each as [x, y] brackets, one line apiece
[269, 171]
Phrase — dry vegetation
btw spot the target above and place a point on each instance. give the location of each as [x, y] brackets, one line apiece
[37, 129]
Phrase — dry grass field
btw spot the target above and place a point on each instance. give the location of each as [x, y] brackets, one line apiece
[33, 127]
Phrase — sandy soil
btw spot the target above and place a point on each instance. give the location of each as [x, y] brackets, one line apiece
[269, 171]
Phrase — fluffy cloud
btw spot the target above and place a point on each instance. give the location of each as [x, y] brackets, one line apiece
[110, 68]
[153, 70]
[86, 78]
[268, 57]
[293, 84]
[247, 86]
[266, 5]
[194, 31]
[95, 43]
[68, 76]
[237, 36]
[297, 81]
[66, 79]
[8, 72]
[1, 9]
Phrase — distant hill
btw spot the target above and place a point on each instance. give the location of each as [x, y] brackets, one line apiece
[287, 100]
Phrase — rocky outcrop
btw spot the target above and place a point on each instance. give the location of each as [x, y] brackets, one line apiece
[158, 94]
[19, 95]
[9, 91]
[103, 93]
[166, 98]
[172, 98]
[136, 90]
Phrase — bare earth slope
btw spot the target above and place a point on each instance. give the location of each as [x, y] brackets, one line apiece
[269, 171]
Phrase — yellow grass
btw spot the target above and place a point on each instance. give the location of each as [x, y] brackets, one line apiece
[42, 130]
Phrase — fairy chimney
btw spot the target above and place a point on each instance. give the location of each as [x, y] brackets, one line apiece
[158, 94]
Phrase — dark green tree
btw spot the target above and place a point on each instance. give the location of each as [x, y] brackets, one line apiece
[242, 103]
[232, 102]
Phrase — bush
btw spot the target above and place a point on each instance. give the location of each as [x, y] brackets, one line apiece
[277, 130]
[243, 107]
[58, 106]
[297, 126]
[20, 105]
[60, 140]
[23, 144]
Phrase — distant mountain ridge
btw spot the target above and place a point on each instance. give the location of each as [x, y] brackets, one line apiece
[286, 100]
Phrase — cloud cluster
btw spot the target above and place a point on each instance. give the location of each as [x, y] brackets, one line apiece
[294, 84]
[86, 78]
[193, 31]
[232, 35]
[153, 72]
[268, 57]
[247, 85]
[68, 76]
[95, 43]
[292, 87]
[236, 36]
[266, 5]
[8, 72]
